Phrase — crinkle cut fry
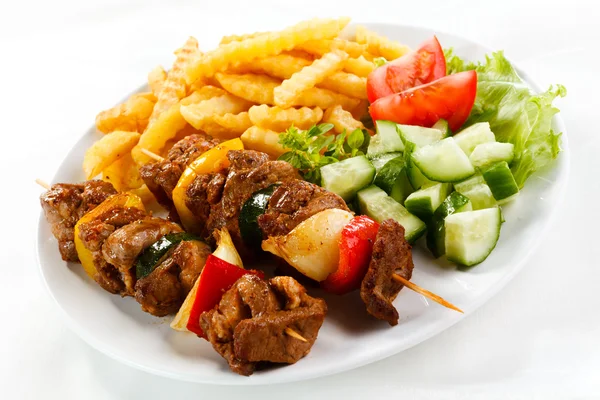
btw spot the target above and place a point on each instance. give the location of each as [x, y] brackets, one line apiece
[380, 45]
[264, 45]
[308, 77]
[174, 87]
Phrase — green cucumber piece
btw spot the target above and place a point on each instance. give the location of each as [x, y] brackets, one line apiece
[392, 178]
[253, 208]
[477, 191]
[489, 153]
[471, 236]
[387, 139]
[443, 161]
[415, 177]
[375, 203]
[436, 231]
[381, 159]
[348, 176]
[443, 126]
[419, 135]
[425, 201]
[152, 256]
[474, 135]
[500, 180]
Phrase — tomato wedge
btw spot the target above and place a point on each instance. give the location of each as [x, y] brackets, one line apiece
[356, 246]
[450, 98]
[424, 65]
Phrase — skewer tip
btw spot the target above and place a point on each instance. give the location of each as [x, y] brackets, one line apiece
[294, 334]
[426, 293]
[42, 183]
[152, 155]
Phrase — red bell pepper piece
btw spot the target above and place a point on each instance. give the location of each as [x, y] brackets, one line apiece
[217, 277]
[356, 246]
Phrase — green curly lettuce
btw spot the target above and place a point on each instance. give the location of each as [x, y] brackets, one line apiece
[515, 113]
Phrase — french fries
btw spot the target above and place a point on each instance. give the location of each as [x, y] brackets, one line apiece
[156, 80]
[132, 115]
[199, 113]
[347, 84]
[278, 119]
[359, 66]
[308, 77]
[261, 139]
[263, 45]
[380, 45]
[174, 87]
[107, 150]
[341, 119]
[252, 86]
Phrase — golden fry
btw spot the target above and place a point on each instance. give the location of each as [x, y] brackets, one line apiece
[174, 87]
[323, 98]
[345, 83]
[168, 124]
[235, 124]
[341, 120]
[320, 47]
[281, 66]
[107, 150]
[308, 77]
[261, 139]
[359, 66]
[197, 114]
[156, 80]
[251, 87]
[380, 45]
[130, 116]
[263, 45]
[239, 38]
[123, 174]
[278, 119]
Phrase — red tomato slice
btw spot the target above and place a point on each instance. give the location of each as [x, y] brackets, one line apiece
[424, 65]
[450, 98]
[356, 246]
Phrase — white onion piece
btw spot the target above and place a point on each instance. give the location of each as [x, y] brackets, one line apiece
[226, 251]
[313, 246]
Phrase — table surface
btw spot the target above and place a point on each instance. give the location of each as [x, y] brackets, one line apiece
[62, 61]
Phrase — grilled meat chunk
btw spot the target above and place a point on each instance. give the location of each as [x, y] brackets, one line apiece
[162, 177]
[391, 255]
[64, 204]
[250, 171]
[93, 235]
[248, 325]
[204, 192]
[293, 202]
[162, 292]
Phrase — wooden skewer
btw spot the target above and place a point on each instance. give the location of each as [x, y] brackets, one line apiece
[294, 334]
[42, 183]
[152, 155]
[425, 293]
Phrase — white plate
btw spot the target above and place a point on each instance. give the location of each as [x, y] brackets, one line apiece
[349, 338]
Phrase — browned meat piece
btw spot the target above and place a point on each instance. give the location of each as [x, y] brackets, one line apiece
[241, 184]
[162, 292]
[248, 325]
[64, 204]
[293, 202]
[391, 255]
[94, 233]
[162, 177]
[124, 245]
[205, 191]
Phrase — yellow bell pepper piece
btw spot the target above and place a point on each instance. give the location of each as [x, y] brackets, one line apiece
[213, 160]
[118, 200]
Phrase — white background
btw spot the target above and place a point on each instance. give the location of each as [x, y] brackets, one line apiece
[63, 61]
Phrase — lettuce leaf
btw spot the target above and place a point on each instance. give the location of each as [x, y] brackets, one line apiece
[516, 114]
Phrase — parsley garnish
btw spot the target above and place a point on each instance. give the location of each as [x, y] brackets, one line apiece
[313, 148]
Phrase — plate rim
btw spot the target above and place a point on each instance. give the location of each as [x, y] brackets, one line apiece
[563, 162]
